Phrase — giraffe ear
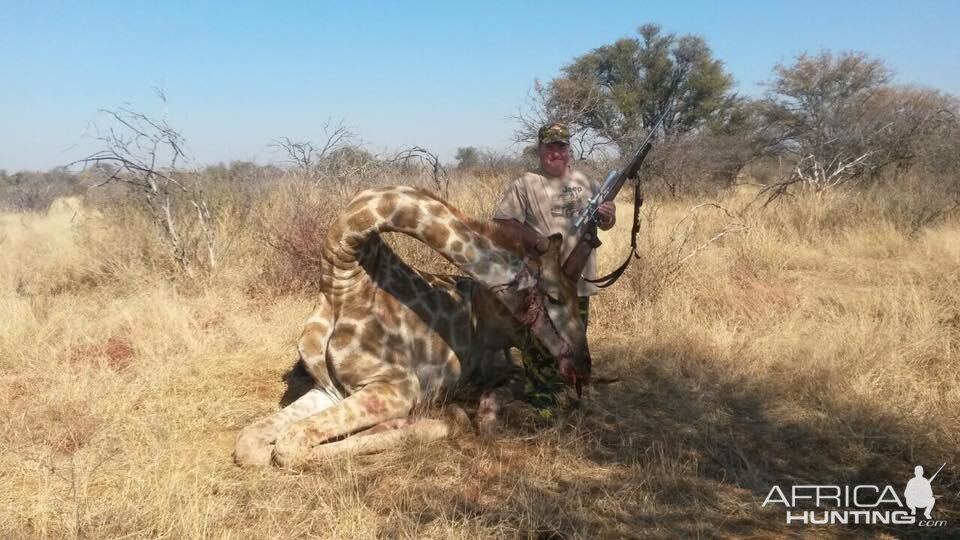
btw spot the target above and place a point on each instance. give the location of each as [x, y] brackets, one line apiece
[554, 242]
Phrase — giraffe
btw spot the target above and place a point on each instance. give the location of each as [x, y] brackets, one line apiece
[385, 337]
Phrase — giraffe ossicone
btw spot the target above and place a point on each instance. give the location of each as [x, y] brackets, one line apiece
[385, 337]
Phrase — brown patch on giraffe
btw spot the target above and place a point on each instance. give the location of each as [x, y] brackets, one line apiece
[470, 253]
[388, 311]
[461, 229]
[481, 243]
[437, 209]
[390, 305]
[419, 348]
[407, 217]
[373, 404]
[436, 234]
[394, 343]
[354, 311]
[456, 246]
[370, 338]
[343, 336]
[355, 369]
[387, 205]
[363, 220]
[312, 340]
[335, 233]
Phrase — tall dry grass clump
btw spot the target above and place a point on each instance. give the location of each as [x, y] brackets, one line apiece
[814, 340]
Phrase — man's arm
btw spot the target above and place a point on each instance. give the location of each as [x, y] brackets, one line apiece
[509, 215]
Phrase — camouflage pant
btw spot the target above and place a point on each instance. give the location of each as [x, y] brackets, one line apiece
[542, 382]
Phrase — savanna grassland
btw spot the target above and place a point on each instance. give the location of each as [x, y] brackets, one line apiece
[814, 340]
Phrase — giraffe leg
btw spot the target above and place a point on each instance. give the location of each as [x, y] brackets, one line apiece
[255, 442]
[302, 444]
[384, 436]
[398, 431]
[394, 433]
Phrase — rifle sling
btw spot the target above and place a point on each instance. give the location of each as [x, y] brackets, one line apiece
[612, 277]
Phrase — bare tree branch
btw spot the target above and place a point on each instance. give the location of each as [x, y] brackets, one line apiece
[135, 145]
[441, 180]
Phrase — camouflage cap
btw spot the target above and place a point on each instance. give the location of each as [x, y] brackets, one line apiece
[554, 132]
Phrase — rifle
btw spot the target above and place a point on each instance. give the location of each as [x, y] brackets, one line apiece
[585, 225]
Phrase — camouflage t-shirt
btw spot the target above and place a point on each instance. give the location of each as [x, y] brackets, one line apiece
[549, 206]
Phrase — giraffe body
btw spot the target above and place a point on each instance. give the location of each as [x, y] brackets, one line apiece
[385, 337]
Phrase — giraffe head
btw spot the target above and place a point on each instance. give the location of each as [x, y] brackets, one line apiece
[549, 306]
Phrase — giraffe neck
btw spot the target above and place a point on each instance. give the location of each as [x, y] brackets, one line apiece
[466, 243]
[476, 248]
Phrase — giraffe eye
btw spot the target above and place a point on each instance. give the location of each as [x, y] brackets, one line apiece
[553, 299]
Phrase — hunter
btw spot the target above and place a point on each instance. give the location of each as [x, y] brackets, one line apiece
[547, 201]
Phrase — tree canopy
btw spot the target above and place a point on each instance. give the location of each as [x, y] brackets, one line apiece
[612, 95]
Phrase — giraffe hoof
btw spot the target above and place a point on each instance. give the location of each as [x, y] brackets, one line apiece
[291, 449]
[251, 450]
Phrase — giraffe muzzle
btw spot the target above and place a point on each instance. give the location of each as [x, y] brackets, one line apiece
[575, 374]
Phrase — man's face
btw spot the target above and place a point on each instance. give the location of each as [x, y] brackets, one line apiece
[554, 158]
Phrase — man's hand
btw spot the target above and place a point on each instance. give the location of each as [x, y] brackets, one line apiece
[607, 213]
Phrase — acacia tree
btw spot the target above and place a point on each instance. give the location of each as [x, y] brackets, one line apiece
[468, 157]
[910, 125]
[819, 108]
[613, 94]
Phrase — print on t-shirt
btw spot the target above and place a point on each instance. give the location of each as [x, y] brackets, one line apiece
[567, 202]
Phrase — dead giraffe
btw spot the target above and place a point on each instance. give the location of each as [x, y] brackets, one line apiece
[385, 337]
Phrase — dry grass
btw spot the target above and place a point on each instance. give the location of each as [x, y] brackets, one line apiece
[817, 342]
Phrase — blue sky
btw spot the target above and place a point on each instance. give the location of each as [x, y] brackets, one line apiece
[238, 75]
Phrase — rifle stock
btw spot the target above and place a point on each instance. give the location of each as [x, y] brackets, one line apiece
[577, 259]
